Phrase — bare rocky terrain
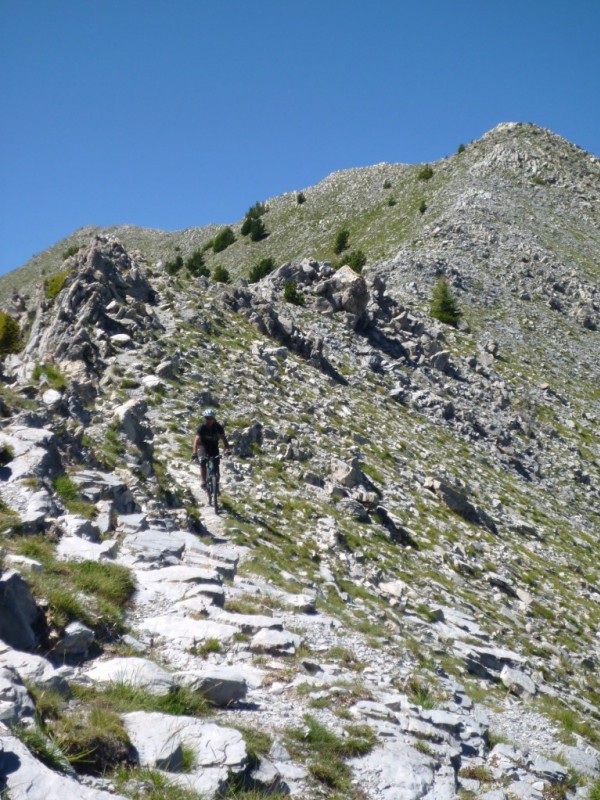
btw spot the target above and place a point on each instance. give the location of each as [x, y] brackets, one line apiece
[400, 598]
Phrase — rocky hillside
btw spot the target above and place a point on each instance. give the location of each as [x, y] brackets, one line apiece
[401, 595]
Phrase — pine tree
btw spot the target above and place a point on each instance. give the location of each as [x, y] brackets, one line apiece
[443, 304]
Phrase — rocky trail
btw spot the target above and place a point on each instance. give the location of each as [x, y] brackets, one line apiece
[401, 597]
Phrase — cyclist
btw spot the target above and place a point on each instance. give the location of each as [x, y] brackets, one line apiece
[206, 441]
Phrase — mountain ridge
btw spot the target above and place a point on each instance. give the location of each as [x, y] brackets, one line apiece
[402, 596]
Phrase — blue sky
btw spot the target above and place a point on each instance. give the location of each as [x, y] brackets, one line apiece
[180, 113]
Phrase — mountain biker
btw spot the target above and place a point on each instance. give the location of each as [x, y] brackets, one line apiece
[206, 441]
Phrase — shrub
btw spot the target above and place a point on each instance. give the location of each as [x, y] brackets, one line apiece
[221, 275]
[54, 284]
[261, 270]
[341, 241]
[255, 228]
[356, 259]
[223, 239]
[422, 206]
[291, 294]
[174, 266]
[253, 224]
[71, 251]
[256, 211]
[443, 304]
[461, 148]
[300, 198]
[10, 335]
[425, 173]
[387, 184]
[195, 265]
[392, 201]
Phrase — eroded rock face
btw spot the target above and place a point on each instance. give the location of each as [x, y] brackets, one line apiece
[106, 295]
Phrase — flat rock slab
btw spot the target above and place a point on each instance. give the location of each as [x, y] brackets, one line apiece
[71, 548]
[275, 642]
[303, 603]
[26, 778]
[34, 669]
[159, 740]
[483, 660]
[247, 623]
[186, 632]
[152, 545]
[222, 685]
[400, 772]
[137, 672]
[35, 453]
[173, 583]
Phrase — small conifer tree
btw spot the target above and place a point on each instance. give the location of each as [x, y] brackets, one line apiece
[195, 265]
[443, 304]
[10, 335]
[174, 266]
[221, 275]
[223, 239]
[291, 294]
[341, 241]
[261, 270]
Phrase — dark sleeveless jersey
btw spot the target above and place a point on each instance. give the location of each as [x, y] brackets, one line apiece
[209, 437]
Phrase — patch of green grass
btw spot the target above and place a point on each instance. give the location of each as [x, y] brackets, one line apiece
[93, 739]
[95, 593]
[421, 693]
[258, 743]
[571, 722]
[206, 647]
[55, 283]
[51, 374]
[70, 497]
[345, 657]
[123, 697]
[40, 744]
[327, 751]
[594, 791]
[146, 784]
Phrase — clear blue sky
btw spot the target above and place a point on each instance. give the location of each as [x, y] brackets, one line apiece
[183, 113]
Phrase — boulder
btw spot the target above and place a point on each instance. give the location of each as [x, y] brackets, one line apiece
[275, 642]
[134, 672]
[35, 453]
[75, 641]
[19, 615]
[221, 685]
[26, 778]
[15, 702]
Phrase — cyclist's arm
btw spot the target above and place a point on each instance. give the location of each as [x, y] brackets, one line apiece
[225, 442]
[196, 445]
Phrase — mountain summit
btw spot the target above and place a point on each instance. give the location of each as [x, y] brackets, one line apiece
[401, 596]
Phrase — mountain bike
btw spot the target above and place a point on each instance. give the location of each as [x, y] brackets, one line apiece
[212, 481]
